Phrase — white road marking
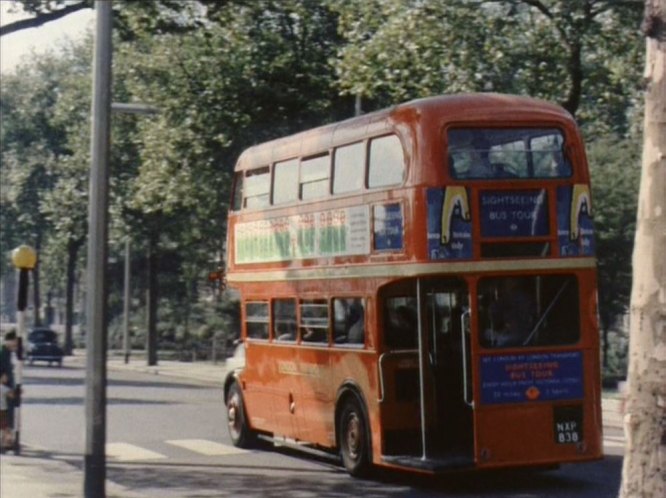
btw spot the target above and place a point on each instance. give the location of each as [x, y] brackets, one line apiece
[125, 452]
[205, 447]
[613, 444]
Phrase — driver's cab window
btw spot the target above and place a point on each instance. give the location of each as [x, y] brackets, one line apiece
[523, 311]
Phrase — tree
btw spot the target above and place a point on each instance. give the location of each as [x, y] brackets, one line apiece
[576, 53]
[42, 12]
[158, 15]
[643, 472]
[615, 171]
[260, 70]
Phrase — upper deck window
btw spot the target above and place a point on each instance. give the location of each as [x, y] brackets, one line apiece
[237, 200]
[285, 181]
[349, 168]
[387, 162]
[483, 153]
[256, 187]
[315, 172]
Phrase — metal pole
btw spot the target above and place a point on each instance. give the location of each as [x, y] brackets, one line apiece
[21, 334]
[422, 366]
[126, 303]
[96, 282]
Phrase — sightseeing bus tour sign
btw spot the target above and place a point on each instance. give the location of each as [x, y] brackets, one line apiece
[339, 232]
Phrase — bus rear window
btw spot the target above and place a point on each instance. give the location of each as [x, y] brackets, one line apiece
[528, 311]
[509, 153]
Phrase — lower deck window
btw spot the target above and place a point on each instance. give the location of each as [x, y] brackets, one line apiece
[314, 321]
[528, 311]
[348, 321]
[256, 320]
[284, 320]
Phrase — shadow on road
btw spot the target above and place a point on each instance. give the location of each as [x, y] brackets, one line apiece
[596, 479]
[39, 380]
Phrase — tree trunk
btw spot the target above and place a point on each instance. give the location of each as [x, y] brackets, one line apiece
[644, 469]
[151, 301]
[72, 254]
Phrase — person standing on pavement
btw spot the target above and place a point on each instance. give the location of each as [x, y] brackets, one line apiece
[9, 346]
[6, 393]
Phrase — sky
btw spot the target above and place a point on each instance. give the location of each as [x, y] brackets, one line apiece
[15, 47]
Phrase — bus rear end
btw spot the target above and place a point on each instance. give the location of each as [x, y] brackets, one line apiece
[505, 348]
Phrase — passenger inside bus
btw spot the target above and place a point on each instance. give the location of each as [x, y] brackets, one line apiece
[479, 160]
[401, 330]
[356, 333]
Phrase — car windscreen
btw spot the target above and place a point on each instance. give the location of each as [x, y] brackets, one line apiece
[42, 336]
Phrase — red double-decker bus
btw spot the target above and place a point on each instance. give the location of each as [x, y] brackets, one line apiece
[418, 288]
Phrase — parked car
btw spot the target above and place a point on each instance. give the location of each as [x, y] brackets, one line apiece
[43, 346]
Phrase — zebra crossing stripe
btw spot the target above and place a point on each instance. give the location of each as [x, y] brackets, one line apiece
[205, 447]
[125, 452]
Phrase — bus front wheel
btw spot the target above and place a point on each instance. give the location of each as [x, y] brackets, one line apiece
[354, 438]
[239, 431]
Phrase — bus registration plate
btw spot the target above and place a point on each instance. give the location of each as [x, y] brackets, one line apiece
[568, 424]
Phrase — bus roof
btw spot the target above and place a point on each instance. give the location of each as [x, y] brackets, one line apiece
[460, 107]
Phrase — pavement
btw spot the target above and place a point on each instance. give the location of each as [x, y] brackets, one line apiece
[41, 473]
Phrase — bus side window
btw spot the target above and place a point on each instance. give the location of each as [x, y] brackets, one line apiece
[256, 320]
[285, 181]
[349, 168]
[237, 199]
[257, 185]
[349, 321]
[386, 162]
[314, 176]
[314, 320]
[284, 320]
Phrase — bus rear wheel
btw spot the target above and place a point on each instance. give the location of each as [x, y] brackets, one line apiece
[239, 431]
[354, 438]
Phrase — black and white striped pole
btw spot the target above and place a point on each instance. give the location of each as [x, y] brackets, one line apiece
[24, 259]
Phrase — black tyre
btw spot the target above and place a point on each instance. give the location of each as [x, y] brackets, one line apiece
[239, 431]
[354, 437]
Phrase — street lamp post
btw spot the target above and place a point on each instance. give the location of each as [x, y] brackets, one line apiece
[129, 108]
[24, 259]
[96, 279]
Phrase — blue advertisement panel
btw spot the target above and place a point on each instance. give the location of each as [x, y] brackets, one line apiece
[514, 213]
[575, 230]
[449, 223]
[520, 378]
[387, 227]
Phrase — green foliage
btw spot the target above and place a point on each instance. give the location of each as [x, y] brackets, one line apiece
[228, 74]
[585, 55]
[615, 170]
